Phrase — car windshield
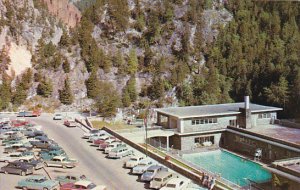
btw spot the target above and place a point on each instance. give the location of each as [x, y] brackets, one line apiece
[111, 145]
[150, 171]
[133, 159]
[171, 185]
[94, 131]
[142, 164]
[41, 180]
[58, 114]
[157, 179]
[91, 186]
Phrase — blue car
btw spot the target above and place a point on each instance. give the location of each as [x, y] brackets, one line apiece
[38, 182]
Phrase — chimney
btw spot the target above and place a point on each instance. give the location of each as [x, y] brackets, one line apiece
[247, 102]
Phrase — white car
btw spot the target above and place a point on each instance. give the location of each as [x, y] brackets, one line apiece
[61, 161]
[113, 145]
[143, 166]
[11, 157]
[176, 184]
[134, 161]
[84, 184]
[58, 116]
[100, 136]
[91, 133]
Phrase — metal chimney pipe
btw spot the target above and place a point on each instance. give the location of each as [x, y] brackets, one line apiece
[247, 102]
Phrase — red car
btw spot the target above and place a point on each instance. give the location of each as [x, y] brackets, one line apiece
[101, 140]
[103, 145]
[81, 185]
[70, 123]
[19, 123]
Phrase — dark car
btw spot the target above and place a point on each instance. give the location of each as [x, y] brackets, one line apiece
[36, 133]
[48, 155]
[17, 168]
[30, 160]
[42, 144]
[18, 148]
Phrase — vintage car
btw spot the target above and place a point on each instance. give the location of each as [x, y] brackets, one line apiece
[35, 113]
[91, 132]
[16, 140]
[120, 152]
[38, 182]
[103, 146]
[103, 139]
[58, 116]
[61, 161]
[161, 178]
[82, 184]
[143, 166]
[112, 146]
[98, 136]
[176, 184]
[8, 135]
[20, 147]
[5, 129]
[17, 168]
[30, 160]
[42, 144]
[149, 174]
[48, 155]
[11, 157]
[133, 161]
[69, 178]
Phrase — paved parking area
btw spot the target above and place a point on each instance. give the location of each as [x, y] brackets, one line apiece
[92, 163]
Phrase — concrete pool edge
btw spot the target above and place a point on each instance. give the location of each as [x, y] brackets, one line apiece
[200, 160]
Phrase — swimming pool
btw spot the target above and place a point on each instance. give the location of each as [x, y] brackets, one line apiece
[230, 166]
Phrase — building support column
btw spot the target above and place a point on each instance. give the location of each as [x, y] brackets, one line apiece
[167, 143]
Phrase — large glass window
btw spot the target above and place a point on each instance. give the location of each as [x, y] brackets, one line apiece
[201, 140]
[264, 115]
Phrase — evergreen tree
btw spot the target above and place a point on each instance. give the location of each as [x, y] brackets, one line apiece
[92, 85]
[132, 62]
[65, 39]
[5, 91]
[65, 94]
[66, 66]
[126, 99]
[278, 93]
[45, 88]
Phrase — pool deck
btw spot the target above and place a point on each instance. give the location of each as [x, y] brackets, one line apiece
[282, 133]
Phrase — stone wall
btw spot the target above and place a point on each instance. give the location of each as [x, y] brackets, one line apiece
[247, 146]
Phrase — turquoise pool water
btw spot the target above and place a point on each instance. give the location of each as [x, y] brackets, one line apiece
[230, 166]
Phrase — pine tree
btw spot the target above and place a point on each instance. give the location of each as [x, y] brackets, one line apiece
[92, 85]
[65, 39]
[65, 94]
[132, 62]
[126, 99]
[278, 93]
[5, 92]
[45, 88]
[66, 66]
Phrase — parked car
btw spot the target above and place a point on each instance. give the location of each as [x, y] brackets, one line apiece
[11, 157]
[19, 147]
[69, 178]
[35, 113]
[17, 168]
[102, 135]
[82, 184]
[91, 132]
[103, 140]
[61, 161]
[133, 161]
[120, 152]
[8, 135]
[104, 145]
[143, 166]
[42, 144]
[176, 184]
[5, 129]
[19, 123]
[112, 146]
[151, 172]
[17, 140]
[70, 123]
[38, 182]
[58, 116]
[48, 155]
[161, 178]
[36, 133]
[30, 160]
[30, 131]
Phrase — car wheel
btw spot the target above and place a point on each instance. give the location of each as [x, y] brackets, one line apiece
[24, 188]
[23, 173]
[46, 164]
[6, 161]
[5, 172]
[64, 166]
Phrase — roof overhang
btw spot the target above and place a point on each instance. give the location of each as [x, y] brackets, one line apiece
[283, 174]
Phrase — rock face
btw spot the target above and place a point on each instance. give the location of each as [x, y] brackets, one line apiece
[65, 11]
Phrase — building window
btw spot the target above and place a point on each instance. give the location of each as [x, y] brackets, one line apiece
[204, 121]
[264, 115]
[201, 140]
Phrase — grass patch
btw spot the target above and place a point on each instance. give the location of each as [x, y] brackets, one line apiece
[111, 125]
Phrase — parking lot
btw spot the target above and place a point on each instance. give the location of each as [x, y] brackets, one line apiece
[92, 163]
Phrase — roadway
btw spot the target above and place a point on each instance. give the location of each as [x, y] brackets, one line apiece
[92, 163]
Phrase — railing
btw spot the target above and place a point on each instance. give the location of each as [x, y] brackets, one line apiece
[140, 129]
